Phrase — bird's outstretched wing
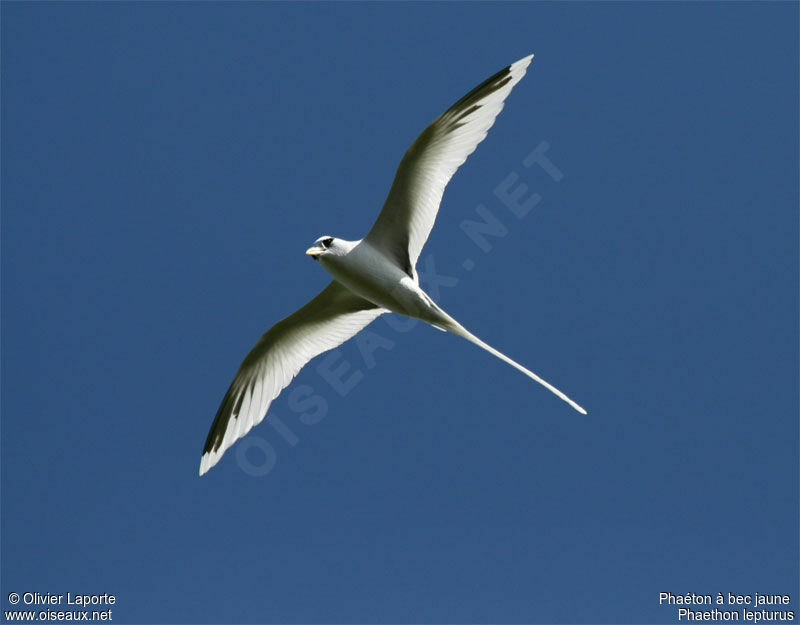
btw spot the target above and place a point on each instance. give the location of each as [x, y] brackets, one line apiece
[327, 321]
[410, 210]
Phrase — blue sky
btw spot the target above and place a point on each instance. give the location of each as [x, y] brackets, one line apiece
[165, 165]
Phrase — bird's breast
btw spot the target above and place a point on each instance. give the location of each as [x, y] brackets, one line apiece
[371, 275]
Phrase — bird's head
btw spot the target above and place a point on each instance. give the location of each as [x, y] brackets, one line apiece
[325, 246]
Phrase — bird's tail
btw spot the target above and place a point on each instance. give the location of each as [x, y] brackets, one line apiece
[451, 325]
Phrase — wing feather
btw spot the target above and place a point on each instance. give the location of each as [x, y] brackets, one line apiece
[408, 215]
[327, 321]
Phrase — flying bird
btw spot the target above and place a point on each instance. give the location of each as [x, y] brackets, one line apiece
[372, 276]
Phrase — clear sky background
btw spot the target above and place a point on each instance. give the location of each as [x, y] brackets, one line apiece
[165, 165]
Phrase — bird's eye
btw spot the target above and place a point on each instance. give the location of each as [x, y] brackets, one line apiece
[327, 242]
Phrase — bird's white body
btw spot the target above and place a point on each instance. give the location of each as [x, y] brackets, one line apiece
[366, 271]
[374, 275]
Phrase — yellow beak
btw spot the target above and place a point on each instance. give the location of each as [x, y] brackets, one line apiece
[315, 250]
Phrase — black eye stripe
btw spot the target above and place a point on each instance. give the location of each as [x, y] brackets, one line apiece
[327, 242]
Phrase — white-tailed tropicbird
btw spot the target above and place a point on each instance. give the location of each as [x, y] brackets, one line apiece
[372, 276]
